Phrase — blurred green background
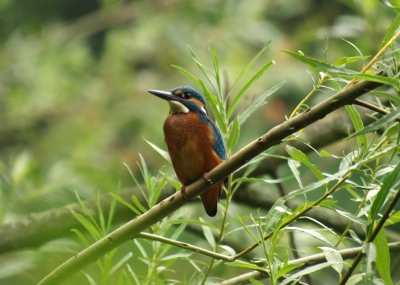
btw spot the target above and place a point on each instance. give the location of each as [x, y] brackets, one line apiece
[74, 77]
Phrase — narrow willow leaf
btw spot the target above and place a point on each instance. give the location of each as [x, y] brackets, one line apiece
[248, 66]
[320, 64]
[300, 156]
[120, 262]
[358, 126]
[388, 181]
[189, 221]
[287, 268]
[345, 60]
[247, 265]
[87, 225]
[81, 237]
[351, 217]
[260, 101]
[187, 74]
[123, 202]
[391, 30]
[379, 124]
[203, 69]
[216, 69]
[313, 233]
[138, 205]
[310, 187]
[370, 251]
[373, 77]
[208, 235]
[234, 134]
[306, 271]
[383, 258]
[269, 181]
[393, 219]
[240, 94]
[162, 152]
[333, 256]
[294, 165]
[254, 281]
[390, 97]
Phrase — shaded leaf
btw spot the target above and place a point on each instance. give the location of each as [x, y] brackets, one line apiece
[379, 124]
[388, 181]
[383, 258]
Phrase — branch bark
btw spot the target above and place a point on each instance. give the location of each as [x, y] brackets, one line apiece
[175, 201]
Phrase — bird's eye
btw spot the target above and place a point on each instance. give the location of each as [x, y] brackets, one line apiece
[188, 95]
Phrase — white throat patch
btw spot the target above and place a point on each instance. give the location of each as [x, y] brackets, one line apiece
[177, 107]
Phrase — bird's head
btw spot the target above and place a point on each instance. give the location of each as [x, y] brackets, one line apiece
[183, 99]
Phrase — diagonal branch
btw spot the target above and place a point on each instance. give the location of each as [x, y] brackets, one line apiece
[175, 201]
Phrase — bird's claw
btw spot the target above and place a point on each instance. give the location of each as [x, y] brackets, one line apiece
[183, 192]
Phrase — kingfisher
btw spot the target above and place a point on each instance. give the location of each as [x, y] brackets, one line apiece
[193, 140]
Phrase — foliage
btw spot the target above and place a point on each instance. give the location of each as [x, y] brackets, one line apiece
[359, 182]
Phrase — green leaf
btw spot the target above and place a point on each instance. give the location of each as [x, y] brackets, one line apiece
[391, 30]
[294, 165]
[351, 217]
[379, 124]
[254, 281]
[242, 264]
[320, 64]
[383, 258]
[233, 134]
[343, 72]
[310, 187]
[188, 221]
[372, 77]
[248, 66]
[388, 181]
[138, 205]
[358, 125]
[370, 251]
[123, 202]
[386, 95]
[333, 256]
[269, 181]
[208, 235]
[287, 268]
[306, 271]
[187, 74]
[300, 156]
[345, 60]
[260, 101]
[203, 69]
[240, 94]
[162, 152]
[393, 219]
[313, 233]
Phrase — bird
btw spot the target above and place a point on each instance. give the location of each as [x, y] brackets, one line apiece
[193, 140]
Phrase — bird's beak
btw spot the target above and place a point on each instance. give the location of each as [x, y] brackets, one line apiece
[166, 95]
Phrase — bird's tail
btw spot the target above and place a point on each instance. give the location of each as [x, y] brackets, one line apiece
[210, 199]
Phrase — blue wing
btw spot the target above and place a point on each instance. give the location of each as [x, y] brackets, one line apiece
[219, 143]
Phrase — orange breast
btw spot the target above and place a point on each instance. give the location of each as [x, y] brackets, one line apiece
[190, 144]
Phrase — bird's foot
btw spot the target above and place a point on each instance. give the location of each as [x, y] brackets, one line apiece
[206, 179]
[183, 192]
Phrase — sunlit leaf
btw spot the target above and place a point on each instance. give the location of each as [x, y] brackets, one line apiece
[300, 156]
[370, 251]
[294, 165]
[390, 32]
[333, 256]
